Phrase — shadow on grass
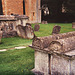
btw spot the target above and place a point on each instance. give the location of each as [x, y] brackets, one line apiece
[17, 62]
[1, 42]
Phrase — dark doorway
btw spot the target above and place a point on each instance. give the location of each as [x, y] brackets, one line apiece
[55, 12]
[44, 3]
[23, 7]
[54, 8]
[1, 10]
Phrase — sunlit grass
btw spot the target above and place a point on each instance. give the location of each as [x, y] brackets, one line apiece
[17, 62]
[13, 42]
[46, 29]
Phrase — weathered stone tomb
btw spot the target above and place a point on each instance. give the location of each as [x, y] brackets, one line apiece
[73, 25]
[11, 21]
[21, 19]
[56, 29]
[57, 57]
[36, 27]
[25, 31]
[8, 24]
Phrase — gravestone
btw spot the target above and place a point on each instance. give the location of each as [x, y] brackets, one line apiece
[21, 31]
[44, 22]
[56, 29]
[25, 31]
[36, 27]
[8, 24]
[73, 24]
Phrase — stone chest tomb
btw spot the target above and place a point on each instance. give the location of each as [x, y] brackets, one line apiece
[55, 54]
[13, 20]
[8, 24]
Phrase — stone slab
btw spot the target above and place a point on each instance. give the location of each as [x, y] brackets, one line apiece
[3, 50]
[42, 62]
[20, 47]
[59, 65]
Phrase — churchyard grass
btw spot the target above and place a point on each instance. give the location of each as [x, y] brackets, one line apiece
[17, 62]
[20, 62]
[46, 29]
[14, 42]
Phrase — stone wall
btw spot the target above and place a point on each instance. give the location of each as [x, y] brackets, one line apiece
[16, 7]
[32, 10]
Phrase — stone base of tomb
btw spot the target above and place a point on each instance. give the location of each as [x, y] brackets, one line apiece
[54, 56]
[37, 72]
[51, 63]
[9, 34]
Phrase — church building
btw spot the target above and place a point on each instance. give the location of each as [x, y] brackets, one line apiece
[29, 8]
[39, 10]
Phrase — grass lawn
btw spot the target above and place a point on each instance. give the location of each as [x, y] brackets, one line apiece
[17, 62]
[46, 29]
[20, 62]
[13, 42]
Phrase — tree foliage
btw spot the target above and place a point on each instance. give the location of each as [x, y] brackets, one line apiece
[69, 6]
[56, 5]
